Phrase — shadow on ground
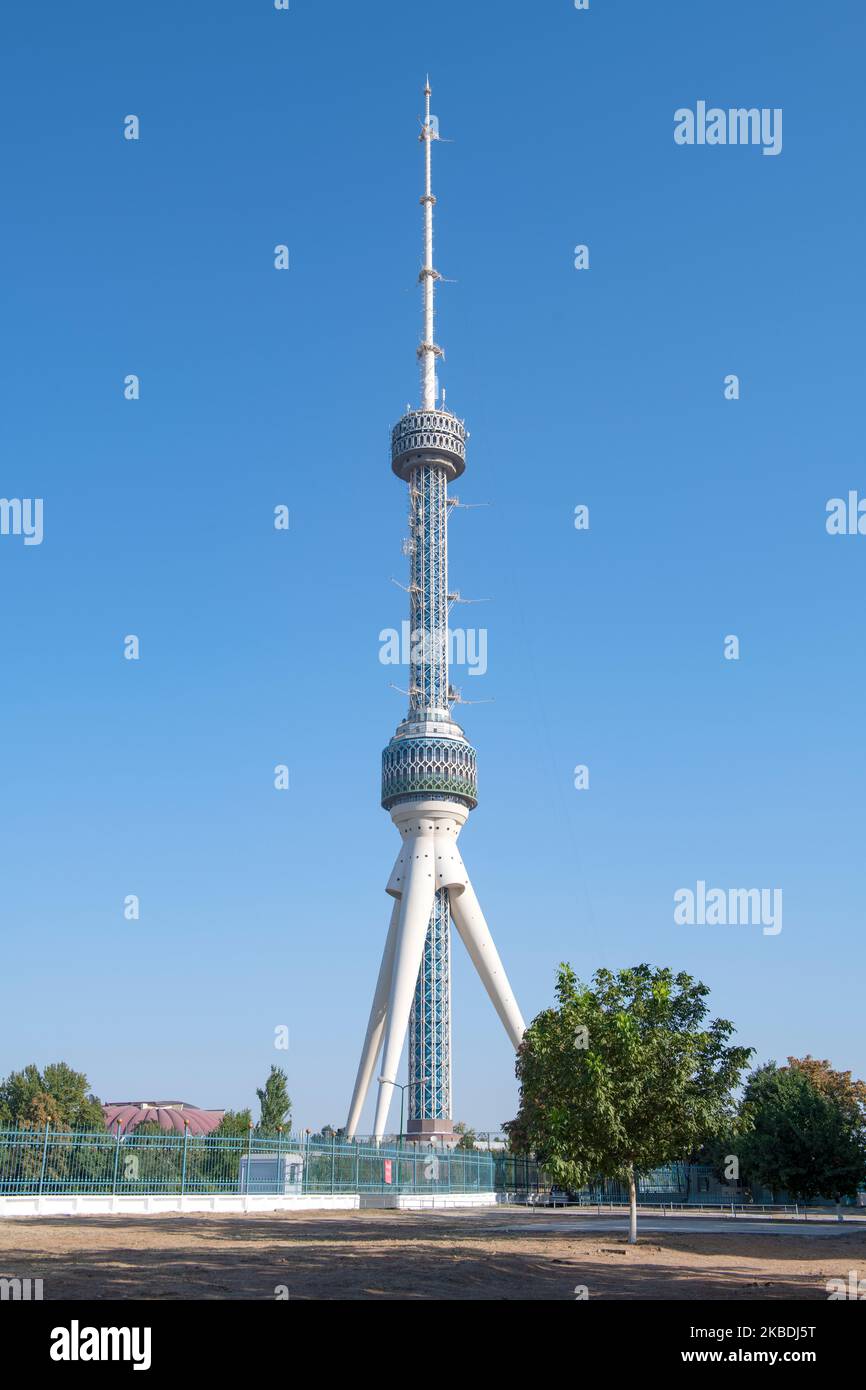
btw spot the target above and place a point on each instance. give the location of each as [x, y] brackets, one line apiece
[412, 1256]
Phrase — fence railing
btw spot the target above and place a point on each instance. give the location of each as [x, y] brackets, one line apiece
[36, 1162]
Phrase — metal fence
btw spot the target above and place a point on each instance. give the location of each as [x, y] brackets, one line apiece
[34, 1162]
[89, 1162]
[688, 1184]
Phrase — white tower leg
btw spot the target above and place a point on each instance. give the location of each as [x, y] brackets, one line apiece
[415, 908]
[475, 933]
[375, 1027]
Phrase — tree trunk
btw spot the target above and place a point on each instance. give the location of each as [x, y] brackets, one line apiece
[632, 1207]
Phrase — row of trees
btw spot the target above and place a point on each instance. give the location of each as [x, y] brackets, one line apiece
[799, 1129]
[627, 1074]
[59, 1096]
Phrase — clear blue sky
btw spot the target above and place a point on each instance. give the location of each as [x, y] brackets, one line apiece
[258, 387]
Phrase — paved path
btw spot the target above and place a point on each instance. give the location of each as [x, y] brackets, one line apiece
[690, 1225]
[564, 1221]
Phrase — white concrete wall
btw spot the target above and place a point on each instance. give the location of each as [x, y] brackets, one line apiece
[439, 1201]
[158, 1204]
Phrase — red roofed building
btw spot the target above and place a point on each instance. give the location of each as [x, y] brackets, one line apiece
[174, 1116]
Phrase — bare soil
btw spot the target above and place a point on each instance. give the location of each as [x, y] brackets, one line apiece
[413, 1255]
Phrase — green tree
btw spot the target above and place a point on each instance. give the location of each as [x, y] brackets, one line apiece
[839, 1084]
[58, 1096]
[276, 1107]
[467, 1136]
[805, 1136]
[622, 1076]
[216, 1159]
[235, 1124]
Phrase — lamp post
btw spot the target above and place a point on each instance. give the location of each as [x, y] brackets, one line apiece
[402, 1089]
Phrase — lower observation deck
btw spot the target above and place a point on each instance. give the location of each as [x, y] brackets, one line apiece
[429, 766]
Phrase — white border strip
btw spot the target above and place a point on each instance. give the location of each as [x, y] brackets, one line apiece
[157, 1204]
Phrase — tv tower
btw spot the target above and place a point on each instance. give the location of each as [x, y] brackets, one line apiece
[428, 777]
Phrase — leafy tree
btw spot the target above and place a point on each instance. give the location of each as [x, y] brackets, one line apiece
[807, 1131]
[838, 1084]
[275, 1104]
[235, 1124]
[622, 1076]
[57, 1096]
[467, 1136]
[42, 1109]
[217, 1165]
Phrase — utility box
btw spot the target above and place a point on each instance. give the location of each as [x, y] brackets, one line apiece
[272, 1174]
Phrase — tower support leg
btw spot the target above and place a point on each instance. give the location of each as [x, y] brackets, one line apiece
[415, 907]
[375, 1027]
[475, 933]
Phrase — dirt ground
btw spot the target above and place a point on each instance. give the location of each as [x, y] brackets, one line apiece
[499, 1254]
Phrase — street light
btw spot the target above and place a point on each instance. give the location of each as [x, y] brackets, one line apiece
[402, 1089]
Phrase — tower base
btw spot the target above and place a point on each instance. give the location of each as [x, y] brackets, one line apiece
[425, 1131]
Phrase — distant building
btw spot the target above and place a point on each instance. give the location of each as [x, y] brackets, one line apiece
[174, 1116]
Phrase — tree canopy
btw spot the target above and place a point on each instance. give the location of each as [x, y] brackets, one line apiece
[276, 1107]
[838, 1084]
[806, 1130]
[623, 1075]
[467, 1136]
[235, 1124]
[57, 1095]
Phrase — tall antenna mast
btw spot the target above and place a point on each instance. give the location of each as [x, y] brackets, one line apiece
[428, 350]
[429, 782]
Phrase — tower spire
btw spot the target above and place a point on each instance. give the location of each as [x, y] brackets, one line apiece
[428, 351]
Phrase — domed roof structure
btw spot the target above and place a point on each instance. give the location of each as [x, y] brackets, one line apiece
[174, 1116]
